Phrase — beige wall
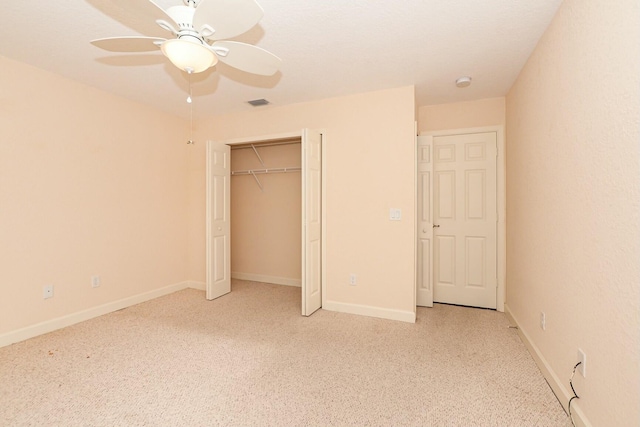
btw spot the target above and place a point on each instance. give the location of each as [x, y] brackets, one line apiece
[369, 162]
[90, 184]
[460, 115]
[266, 226]
[573, 200]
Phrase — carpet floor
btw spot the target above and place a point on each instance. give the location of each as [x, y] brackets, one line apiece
[250, 359]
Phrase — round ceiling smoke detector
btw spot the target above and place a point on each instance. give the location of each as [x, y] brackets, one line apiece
[463, 81]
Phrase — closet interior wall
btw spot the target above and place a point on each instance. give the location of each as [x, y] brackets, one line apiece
[266, 213]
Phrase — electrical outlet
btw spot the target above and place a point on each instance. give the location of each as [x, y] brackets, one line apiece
[352, 279]
[543, 321]
[582, 367]
[95, 281]
[47, 292]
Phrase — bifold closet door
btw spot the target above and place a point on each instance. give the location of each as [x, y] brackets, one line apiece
[218, 247]
[311, 221]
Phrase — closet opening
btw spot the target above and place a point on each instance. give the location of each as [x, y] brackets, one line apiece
[264, 214]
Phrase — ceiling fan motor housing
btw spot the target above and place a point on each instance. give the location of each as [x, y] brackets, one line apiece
[183, 16]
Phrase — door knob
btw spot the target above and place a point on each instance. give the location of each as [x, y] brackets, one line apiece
[424, 230]
[436, 226]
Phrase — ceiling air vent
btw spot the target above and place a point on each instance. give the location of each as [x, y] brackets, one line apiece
[259, 102]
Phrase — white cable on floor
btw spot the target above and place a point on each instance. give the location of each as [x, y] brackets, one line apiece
[575, 395]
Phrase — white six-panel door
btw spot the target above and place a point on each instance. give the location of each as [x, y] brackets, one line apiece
[311, 221]
[458, 185]
[218, 220]
[465, 217]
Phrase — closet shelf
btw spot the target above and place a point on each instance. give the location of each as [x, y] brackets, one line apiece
[291, 141]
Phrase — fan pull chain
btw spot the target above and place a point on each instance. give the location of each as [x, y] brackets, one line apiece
[190, 102]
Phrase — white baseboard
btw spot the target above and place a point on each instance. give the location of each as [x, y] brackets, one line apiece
[266, 279]
[365, 310]
[201, 286]
[561, 392]
[71, 319]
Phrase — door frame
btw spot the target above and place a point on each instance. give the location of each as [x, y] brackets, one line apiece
[289, 135]
[501, 237]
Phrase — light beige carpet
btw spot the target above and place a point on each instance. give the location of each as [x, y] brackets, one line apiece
[250, 359]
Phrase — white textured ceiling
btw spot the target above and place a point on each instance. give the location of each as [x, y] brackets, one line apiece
[329, 48]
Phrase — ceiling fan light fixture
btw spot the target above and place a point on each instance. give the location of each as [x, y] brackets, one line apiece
[189, 56]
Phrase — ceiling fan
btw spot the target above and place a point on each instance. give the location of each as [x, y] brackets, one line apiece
[201, 29]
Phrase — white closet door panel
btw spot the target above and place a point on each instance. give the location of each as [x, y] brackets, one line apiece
[218, 262]
[424, 288]
[311, 221]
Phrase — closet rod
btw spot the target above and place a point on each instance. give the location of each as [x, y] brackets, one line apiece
[265, 171]
[266, 144]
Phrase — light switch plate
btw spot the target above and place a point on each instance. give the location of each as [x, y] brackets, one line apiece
[395, 214]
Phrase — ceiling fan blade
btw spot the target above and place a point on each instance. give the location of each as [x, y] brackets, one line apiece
[128, 44]
[228, 18]
[247, 57]
[139, 15]
[151, 10]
